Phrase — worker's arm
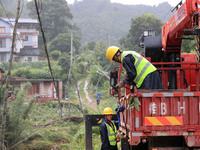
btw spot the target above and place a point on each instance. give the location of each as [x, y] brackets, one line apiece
[128, 64]
[104, 137]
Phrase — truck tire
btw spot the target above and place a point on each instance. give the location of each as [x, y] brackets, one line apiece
[124, 144]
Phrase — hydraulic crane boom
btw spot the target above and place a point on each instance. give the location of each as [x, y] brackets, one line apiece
[186, 17]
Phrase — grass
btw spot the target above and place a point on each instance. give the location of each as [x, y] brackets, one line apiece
[106, 99]
[58, 136]
[65, 135]
[38, 144]
[53, 135]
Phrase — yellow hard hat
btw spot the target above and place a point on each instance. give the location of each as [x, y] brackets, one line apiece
[107, 111]
[111, 51]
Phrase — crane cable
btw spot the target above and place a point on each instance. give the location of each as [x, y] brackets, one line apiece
[45, 47]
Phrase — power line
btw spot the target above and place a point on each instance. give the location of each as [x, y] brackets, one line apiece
[166, 14]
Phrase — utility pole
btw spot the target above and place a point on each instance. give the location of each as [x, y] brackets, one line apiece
[4, 114]
[69, 105]
[79, 97]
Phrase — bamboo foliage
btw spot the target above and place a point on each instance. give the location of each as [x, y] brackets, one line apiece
[3, 126]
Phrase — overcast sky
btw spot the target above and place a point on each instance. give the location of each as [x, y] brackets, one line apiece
[146, 2]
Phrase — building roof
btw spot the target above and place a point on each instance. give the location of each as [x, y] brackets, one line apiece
[21, 20]
[20, 79]
[1, 19]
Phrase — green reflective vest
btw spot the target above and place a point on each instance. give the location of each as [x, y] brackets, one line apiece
[142, 65]
[112, 135]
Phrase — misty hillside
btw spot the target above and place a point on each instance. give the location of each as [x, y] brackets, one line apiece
[103, 20]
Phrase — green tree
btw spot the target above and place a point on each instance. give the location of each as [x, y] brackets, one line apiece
[64, 62]
[55, 54]
[94, 76]
[138, 26]
[17, 115]
[103, 20]
[34, 70]
[91, 45]
[11, 8]
[95, 63]
[188, 45]
[78, 71]
[63, 43]
[100, 53]
[55, 15]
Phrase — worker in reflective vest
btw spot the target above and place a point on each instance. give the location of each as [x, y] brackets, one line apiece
[108, 131]
[139, 70]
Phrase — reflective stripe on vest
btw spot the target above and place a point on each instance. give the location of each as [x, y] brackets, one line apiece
[112, 135]
[142, 65]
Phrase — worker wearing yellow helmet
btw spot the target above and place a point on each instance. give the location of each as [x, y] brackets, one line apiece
[139, 70]
[108, 131]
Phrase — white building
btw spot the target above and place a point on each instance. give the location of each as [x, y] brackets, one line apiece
[26, 42]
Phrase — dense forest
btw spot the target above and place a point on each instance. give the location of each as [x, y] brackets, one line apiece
[97, 19]
[103, 20]
[94, 25]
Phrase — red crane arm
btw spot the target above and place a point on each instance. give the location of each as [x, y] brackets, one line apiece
[173, 30]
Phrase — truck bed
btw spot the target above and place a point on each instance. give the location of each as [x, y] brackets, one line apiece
[162, 113]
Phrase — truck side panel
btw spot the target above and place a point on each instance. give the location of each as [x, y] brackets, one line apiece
[162, 114]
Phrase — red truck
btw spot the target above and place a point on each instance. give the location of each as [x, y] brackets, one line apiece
[167, 118]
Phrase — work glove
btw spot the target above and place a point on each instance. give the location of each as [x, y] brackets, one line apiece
[134, 102]
[120, 85]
